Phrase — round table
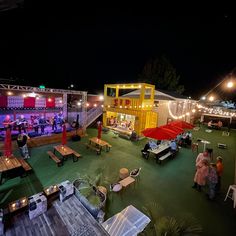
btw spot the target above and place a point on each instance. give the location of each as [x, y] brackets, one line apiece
[205, 142]
[124, 172]
[117, 188]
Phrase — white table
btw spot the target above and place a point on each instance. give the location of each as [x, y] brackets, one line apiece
[205, 142]
[159, 149]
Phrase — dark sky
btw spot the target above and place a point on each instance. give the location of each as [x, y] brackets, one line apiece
[90, 47]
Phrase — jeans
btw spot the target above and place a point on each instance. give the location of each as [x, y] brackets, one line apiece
[24, 151]
[212, 190]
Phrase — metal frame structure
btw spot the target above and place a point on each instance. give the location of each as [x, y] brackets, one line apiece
[54, 91]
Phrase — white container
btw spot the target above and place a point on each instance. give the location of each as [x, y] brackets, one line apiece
[37, 205]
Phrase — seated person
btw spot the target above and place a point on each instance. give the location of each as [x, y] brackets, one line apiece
[173, 146]
[145, 151]
[152, 144]
[209, 124]
[220, 124]
[190, 135]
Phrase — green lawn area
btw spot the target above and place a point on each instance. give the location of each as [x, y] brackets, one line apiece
[168, 185]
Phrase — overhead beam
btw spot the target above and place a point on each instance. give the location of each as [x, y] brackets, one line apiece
[40, 90]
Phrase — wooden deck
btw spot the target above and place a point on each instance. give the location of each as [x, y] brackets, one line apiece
[62, 219]
[54, 138]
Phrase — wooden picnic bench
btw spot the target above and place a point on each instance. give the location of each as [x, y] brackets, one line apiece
[27, 168]
[55, 158]
[162, 158]
[76, 156]
[25, 165]
[98, 150]
[109, 147]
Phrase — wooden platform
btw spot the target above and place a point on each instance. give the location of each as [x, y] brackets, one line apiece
[54, 138]
[67, 218]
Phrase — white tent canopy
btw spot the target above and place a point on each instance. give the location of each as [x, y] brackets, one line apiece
[129, 222]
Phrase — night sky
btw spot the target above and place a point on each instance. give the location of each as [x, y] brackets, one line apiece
[90, 47]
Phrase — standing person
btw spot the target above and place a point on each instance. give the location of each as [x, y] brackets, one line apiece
[42, 123]
[36, 125]
[212, 181]
[22, 144]
[54, 122]
[201, 157]
[219, 170]
[201, 175]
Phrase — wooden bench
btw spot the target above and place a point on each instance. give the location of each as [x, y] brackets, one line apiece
[93, 148]
[162, 158]
[222, 145]
[108, 147]
[25, 166]
[54, 158]
[76, 156]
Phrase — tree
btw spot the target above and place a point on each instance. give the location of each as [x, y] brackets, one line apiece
[161, 73]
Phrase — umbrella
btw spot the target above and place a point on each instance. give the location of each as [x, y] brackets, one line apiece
[99, 130]
[7, 144]
[159, 133]
[182, 124]
[177, 129]
[64, 140]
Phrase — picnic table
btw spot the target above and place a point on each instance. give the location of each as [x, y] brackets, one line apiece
[99, 143]
[64, 150]
[8, 164]
[159, 149]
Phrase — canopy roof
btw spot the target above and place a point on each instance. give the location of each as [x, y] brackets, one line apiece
[129, 222]
[159, 95]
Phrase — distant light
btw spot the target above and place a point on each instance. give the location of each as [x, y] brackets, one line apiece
[101, 105]
[72, 86]
[193, 110]
[230, 84]
[60, 101]
[24, 96]
[187, 113]
[203, 98]
[95, 105]
[79, 103]
[49, 99]
[87, 104]
[101, 98]
[33, 94]
[9, 93]
[189, 97]
[139, 86]
[37, 98]
[211, 98]
[41, 86]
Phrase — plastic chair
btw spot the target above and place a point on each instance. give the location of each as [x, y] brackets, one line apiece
[135, 173]
[231, 194]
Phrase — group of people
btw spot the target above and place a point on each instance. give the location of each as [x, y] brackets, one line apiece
[208, 174]
[36, 122]
[112, 121]
[216, 125]
[184, 138]
[151, 144]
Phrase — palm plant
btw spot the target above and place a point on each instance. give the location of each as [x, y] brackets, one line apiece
[162, 225]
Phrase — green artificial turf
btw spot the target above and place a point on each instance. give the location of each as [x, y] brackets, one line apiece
[168, 185]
